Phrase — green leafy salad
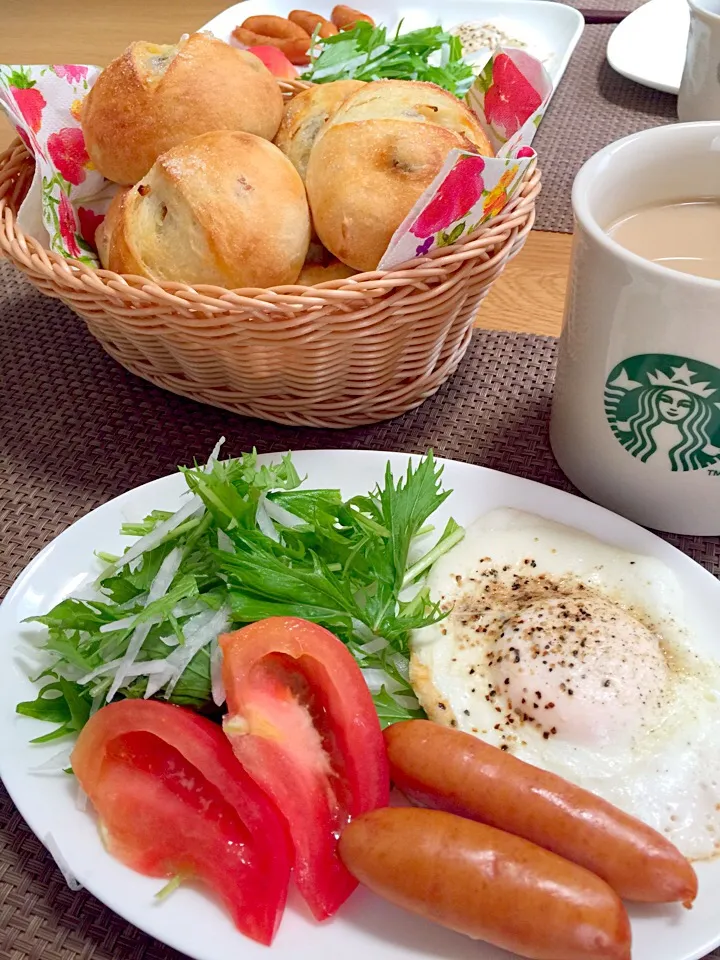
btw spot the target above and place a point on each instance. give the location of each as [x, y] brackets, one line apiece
[367, 53]
[249, 543]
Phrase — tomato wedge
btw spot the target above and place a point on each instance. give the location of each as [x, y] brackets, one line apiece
[302, 723]
[173, 800]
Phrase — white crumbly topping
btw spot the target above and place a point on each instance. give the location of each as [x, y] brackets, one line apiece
[481, 36]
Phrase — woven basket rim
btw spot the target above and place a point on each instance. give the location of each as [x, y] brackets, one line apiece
[361, 285]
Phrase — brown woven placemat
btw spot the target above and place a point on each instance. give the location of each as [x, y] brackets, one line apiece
[593, 106]
[76, 430]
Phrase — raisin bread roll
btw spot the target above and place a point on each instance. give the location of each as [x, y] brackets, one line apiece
[376, 156]
[153, 98]
[226, 208]
[306, 115]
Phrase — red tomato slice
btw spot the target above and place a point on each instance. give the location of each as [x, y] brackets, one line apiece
[302, 723]
[172, 799]
[276, 62]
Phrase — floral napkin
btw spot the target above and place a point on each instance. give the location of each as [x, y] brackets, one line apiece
[509, 98]
[68, 197]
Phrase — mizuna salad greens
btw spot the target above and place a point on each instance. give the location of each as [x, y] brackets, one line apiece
[368, 53]
[249, 543]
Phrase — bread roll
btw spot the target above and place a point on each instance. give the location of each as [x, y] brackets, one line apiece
[306, 115]
[107, 228]
[153, 98]
[375, 157]
[313, 273]
[414, 100]
[226, 208]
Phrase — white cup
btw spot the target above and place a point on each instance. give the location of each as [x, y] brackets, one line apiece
[636, 409]
[699, 96]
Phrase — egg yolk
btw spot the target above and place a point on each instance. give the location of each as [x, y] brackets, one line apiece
[582, 669]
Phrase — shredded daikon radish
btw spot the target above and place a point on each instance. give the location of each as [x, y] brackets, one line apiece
[158, 588]
[216, 678]
[161, 672]
[125, 624]
[281, 515]
[165, 575]
[225, 543]
[141, 669]
[379, 643]
[68, 671]
[195, 639]
[57, 763]
[264, 522]
[214, 455]
[401, 664]
[100, 671]
[363, 630]
[97, 702]
[159, 679]
[81, 799]
[189, 607]
[376, 678]
[152, 539]
[185, 608]
[87, 589]
[410, 703]
[63, 866]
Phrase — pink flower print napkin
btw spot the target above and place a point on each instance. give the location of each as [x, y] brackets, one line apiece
[68, 197]
[509, 99]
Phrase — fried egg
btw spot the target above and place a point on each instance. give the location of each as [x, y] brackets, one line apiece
[572, 655]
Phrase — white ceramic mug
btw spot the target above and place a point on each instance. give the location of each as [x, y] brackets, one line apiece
[699, 96]
[636, 409]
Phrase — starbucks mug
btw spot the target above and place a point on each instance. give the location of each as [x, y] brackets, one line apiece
[635, 419]
[699, 95]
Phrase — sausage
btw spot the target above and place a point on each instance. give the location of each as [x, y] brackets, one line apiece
[487, 884]
[309, 21]
[279, 27]
[295, 50]
[345, 18]
[446, 769]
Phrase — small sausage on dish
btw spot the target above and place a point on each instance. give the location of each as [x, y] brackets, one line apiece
[345, 18]
[486, 884]
[447, 769]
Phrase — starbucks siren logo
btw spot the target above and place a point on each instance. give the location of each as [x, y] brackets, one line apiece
[666, 408]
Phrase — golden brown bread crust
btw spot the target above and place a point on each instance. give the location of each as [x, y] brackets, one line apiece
[364, 178]
[375, 157]
[417, 101]
[226, 208]
[313, 273]
[106, 230]
[306, 115]
[153, 98]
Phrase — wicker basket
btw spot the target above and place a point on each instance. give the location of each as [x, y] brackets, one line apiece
[339, 354]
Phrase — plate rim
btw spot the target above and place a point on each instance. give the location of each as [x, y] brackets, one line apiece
[649, 10]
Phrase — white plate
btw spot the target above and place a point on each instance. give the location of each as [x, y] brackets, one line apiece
[366, 927]
[550, 31]
[649, 45]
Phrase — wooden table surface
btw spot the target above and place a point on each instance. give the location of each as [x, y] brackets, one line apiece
[528, 297]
